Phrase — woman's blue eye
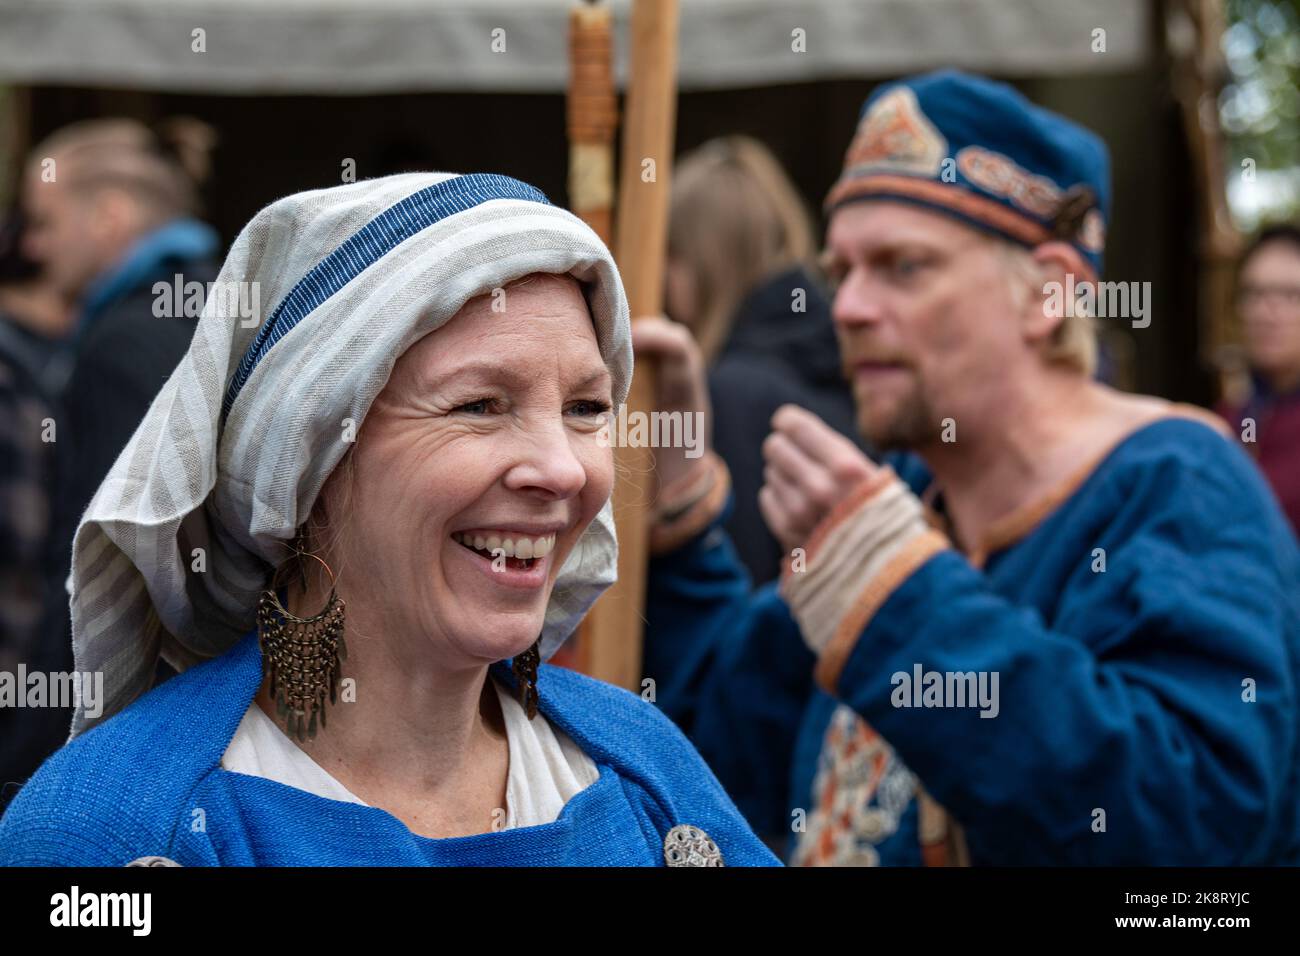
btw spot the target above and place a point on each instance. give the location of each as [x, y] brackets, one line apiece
[584, 409]
[589, 408]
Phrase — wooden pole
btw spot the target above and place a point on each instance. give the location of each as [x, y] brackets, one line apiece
[15, 140]
[592, 117]
[592, 120]
[612, 648]
[1198, 72]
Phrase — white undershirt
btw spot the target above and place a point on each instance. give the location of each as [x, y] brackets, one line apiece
[546, 767]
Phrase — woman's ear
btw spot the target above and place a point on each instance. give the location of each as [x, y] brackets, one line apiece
[325, 523]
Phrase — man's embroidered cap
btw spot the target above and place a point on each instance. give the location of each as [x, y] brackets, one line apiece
[978, 150]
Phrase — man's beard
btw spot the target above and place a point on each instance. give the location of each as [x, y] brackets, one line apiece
[910, 425]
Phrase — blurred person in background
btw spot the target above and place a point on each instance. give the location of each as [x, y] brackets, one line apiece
[111, 207]
[36, 318]
[740, 244]
[34, 323]
[1268, 297]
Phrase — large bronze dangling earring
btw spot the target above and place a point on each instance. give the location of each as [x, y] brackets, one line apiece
[525, 671]
[302, 656]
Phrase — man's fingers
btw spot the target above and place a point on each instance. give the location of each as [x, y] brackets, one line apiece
[775, 517]
[800, 512]
[820, 442]
[781, 453]
[811, 478]
[786, 494]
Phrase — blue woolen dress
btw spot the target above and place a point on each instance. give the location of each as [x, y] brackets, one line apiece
[149, 782]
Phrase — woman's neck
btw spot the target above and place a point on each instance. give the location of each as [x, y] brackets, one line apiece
[409, 734]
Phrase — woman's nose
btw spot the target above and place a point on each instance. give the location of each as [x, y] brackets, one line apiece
[548, 463]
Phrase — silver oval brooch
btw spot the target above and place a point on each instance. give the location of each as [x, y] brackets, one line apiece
[686, 845]
[152, 861]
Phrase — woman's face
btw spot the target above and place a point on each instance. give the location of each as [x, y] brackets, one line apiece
[477, 470]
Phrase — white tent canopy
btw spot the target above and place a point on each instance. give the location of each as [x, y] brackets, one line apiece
[378, 46]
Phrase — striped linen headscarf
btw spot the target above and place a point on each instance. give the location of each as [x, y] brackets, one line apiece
[181, 537]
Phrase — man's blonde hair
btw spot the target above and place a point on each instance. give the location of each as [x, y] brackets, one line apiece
[1074, 341]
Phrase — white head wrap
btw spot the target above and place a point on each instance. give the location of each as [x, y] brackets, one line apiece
[235, 448]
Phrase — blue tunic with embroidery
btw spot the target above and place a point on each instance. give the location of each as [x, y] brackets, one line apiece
[1147, 712]
[148, 782]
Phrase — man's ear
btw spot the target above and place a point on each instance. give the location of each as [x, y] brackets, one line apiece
[1062, 270]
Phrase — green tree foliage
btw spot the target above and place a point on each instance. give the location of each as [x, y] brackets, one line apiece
[1260, 109]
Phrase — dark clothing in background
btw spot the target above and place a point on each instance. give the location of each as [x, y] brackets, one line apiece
[46, 363]
[774, 356]
[1276, 447]
[122, 353]
[123, 360]
[33, 619]
[128, 341]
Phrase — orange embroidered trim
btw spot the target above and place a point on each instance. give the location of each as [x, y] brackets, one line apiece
[1024, 520]
[867, 489]
[665, 538]
[1001, 175]
[958, 849]
[910, 557]
[931, 820]
[1020, 523]
[934, 854]
[954, 197]
[942, 841]
[1204, 416]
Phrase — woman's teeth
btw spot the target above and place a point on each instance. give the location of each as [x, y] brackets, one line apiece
[514, 546]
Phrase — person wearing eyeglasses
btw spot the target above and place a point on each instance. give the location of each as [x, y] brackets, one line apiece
[1268, 301]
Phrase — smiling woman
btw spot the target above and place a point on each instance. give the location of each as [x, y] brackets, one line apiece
[340, 523]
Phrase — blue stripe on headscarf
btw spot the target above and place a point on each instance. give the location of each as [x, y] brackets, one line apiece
[364, 248]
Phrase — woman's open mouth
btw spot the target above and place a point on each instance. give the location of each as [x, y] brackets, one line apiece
[513, 552]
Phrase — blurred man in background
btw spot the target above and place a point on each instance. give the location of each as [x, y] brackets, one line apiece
[111, 209]
[1268, 296]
